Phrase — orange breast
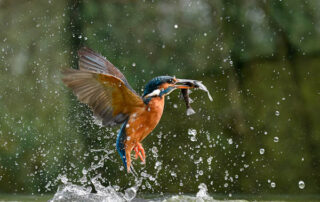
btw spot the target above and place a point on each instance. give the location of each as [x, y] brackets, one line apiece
[144, 120]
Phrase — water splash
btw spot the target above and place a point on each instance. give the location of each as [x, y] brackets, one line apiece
[203, 192]
[91, 188]
[72, 192]
[201, 196]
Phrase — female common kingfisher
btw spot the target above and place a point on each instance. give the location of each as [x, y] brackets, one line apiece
[99, 84]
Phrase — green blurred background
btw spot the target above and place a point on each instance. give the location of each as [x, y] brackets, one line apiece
[259, 59]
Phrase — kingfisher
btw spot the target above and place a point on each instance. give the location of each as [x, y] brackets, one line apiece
[100, 85]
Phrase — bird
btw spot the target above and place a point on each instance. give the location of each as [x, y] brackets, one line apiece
[100, 85]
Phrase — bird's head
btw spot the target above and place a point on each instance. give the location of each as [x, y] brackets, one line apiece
[164, 85]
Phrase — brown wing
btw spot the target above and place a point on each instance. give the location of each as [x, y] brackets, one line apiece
[92, 61]
[108, 96]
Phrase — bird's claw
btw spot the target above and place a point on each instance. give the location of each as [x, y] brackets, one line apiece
[140, 152]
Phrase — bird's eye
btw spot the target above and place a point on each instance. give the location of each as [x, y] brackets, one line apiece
[171, 81]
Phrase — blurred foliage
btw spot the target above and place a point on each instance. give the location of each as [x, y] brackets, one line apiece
[260, 60]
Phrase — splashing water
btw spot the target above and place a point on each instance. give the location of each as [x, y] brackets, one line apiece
[201, 196]
[72, 192]
[203, 192]
[96, 191]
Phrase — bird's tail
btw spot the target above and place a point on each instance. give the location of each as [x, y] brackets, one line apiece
[120, 144]
[121, 148]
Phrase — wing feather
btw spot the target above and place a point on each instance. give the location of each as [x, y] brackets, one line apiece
[92, 61]
[109, 97]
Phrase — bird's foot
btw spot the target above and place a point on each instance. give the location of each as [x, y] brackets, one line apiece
[140, 152]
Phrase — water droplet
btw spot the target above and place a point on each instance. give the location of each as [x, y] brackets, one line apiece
[173, 174]
[273, 184]
[276, 139]
[154, 151]
[176, 26]
[230, 141]
[301, 184]
[84, 171]
[64, 179]
[261, 151]
[202, 193]
[192, 131]
[158, 165]
[133, 64]
[277, 113]
[130, 193]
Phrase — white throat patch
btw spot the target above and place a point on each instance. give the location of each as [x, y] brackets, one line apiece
[154, 93]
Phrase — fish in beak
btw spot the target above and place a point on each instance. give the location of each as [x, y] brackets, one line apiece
[189, 84]
[185, 85]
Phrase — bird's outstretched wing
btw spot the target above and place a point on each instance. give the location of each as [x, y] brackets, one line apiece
[97, 84]
[92, 61]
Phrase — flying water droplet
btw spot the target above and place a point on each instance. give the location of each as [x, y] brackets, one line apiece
[276, 139]
[84, 171]
[261, 151]
[192, 131]
[193, 138]
[277, 113]
[154, 151]
[130, 193]
[301, 184]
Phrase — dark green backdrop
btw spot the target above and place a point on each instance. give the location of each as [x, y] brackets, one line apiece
[259, 59]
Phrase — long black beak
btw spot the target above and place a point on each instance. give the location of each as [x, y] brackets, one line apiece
[186, 83]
